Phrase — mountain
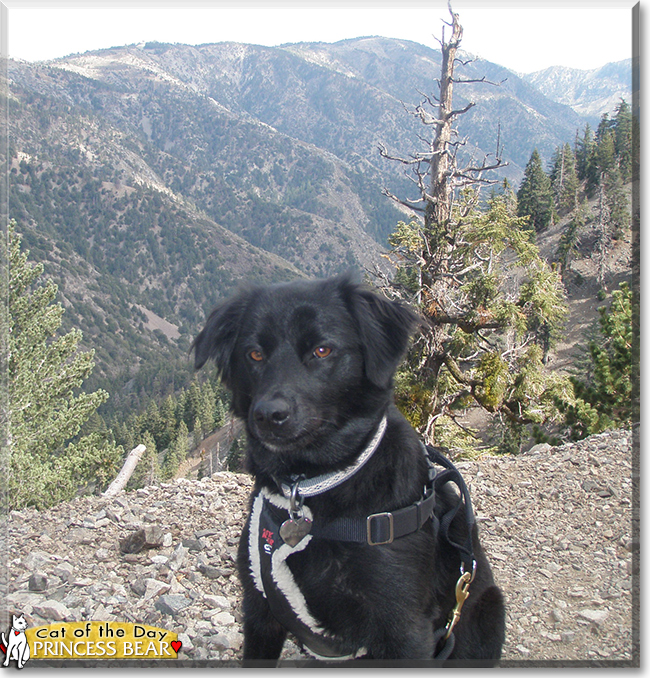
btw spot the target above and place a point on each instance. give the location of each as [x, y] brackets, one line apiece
[589, 92]
[151, 179]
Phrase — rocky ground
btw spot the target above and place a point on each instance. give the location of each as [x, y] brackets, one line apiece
[556, 523]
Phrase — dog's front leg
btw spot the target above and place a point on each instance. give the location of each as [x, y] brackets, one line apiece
[263, 635]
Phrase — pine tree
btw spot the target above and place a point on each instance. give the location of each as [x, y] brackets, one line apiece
[567, 247]
[617, 203]
[564, 180]
[623, 139]
[45, 371]
[605, 400]
[605, 146]
[168, 423]
[535, 197]
[176, 453]
[584, 152]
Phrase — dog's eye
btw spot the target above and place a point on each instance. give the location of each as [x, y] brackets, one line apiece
[322, 351]
[256, 356]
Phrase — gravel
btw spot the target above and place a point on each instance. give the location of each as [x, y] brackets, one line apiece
[556, 522]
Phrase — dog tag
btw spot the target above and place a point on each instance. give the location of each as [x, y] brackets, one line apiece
[294, 531]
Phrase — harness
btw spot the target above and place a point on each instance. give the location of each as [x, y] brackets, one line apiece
[282, 525]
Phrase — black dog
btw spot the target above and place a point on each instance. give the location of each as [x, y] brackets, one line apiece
[326, 552]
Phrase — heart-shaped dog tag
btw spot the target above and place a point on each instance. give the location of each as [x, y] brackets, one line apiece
[294, 531]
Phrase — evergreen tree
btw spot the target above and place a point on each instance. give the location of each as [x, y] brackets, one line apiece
[605, 146]
[45, 371]
[567, 248]
[617, 203]
[535, 197]
[623, 139]
[585, 152]
[176, 453]
[197, 432]
[168, 422]
[496, 331]
[605, 400]
[564, 180]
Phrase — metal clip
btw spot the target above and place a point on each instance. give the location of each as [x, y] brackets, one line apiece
[296, 501]
[462, 593]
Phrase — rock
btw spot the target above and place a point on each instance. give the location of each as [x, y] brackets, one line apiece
[38, 581]
[139, 586]
[219, 602]
[133, 543]
[222, 618]
[193, 544]
[211, 532]
[172, 604]
[188, 645]
[102, 555]
[81, 536]
[212, 572]
[542, 448]
[37, 560]
[153, 537]
[65, 572]
[595, 616]
[177, 559]
[149, 537]
[154, 587]
[52, 609]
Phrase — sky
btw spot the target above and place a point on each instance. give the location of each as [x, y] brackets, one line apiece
[524, 36]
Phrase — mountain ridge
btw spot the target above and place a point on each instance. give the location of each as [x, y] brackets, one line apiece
[159, 176]
[590, 92]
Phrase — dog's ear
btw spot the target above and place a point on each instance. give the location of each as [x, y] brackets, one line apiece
[217, 340]
[385, 327]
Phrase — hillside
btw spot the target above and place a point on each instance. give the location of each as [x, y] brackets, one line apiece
[556, 524]
[151, 179]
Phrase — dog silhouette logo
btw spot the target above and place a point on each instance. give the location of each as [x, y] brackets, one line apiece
[16, 646]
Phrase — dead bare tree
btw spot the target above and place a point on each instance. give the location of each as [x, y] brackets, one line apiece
[445, 255]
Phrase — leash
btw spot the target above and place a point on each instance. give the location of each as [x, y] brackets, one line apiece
[466, 549]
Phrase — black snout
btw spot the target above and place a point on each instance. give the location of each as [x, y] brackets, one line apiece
[272, 414]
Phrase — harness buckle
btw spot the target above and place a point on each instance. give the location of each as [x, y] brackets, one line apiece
[391, 530]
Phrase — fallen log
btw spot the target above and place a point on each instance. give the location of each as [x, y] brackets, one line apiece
[125, 473]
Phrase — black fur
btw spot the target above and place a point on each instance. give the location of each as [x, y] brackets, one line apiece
[309, 414]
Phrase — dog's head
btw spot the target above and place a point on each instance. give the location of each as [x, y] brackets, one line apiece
[303, 359]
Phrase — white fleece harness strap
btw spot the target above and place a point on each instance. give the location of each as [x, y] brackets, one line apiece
[274, 580]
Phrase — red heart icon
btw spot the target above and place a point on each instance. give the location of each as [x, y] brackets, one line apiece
[176, 644]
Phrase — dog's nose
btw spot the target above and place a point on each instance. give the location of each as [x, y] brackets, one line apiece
[273, 413]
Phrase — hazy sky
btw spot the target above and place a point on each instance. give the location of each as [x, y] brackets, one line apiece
[524, 36]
